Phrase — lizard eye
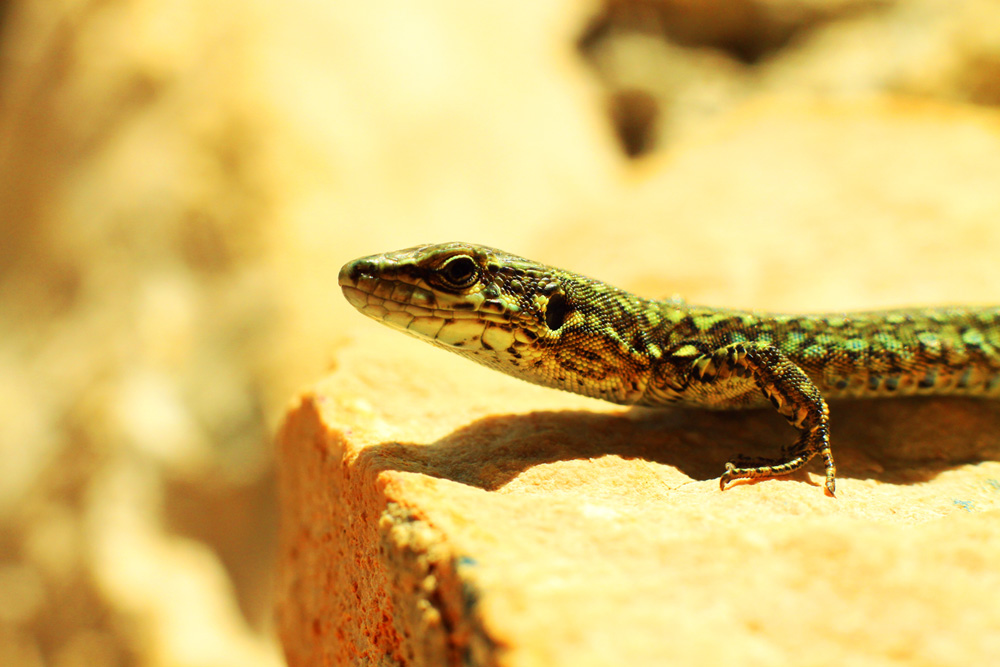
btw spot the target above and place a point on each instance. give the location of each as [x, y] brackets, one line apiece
[460, 271]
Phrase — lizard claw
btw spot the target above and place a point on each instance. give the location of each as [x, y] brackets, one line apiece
[727, 476]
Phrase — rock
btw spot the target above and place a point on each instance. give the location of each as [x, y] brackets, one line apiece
[437, 513]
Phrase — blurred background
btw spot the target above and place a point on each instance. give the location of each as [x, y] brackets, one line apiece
[180, 183]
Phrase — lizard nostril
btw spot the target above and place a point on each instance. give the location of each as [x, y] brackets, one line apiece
[351, 272]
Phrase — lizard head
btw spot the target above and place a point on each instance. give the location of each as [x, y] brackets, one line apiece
[471, 299]
[523, 318]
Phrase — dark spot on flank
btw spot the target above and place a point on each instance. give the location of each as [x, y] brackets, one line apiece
[463, 305]
[486, 346]
[687, 327]
[725, 326]
[841, 383]
[928, 380]
[873, 382]
[892, 383]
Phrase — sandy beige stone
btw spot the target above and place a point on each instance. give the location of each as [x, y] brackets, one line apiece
[426, 527]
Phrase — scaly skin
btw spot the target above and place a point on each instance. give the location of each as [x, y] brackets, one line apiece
[570, 332]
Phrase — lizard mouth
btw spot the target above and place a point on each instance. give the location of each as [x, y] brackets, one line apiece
[373, 289]
[377, 290]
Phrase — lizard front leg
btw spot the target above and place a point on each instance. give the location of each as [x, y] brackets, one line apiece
[790, 391]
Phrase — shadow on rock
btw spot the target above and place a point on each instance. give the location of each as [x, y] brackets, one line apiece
[896, 441]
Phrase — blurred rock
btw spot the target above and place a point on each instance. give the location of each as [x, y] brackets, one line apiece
[131, 229]
[699, 59]
[928, 48]
[747, 29]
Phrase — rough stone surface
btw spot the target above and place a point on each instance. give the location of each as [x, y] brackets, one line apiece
[426, 525]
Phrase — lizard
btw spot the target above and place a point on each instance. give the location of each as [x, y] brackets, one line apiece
[564, 330]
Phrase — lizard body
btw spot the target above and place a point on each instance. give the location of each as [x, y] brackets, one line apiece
[563, 330]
